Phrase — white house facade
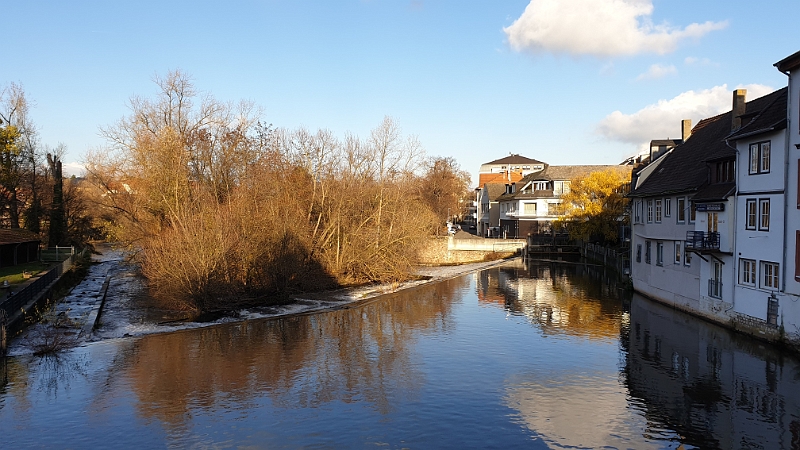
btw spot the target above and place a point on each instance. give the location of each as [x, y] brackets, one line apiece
[726, 205]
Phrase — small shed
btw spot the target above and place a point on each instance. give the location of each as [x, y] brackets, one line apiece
[18, 246]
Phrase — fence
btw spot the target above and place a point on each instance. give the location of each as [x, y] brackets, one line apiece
[611, 257]
[14, 302]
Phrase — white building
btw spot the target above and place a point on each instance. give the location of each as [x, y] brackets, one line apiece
[716, 222]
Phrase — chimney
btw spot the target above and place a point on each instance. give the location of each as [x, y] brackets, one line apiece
[686, 129]
[738, 108]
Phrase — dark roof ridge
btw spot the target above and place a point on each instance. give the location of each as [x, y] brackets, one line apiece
[777, 96]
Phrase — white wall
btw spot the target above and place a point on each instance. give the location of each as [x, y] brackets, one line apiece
[678, 284]
[759, 245]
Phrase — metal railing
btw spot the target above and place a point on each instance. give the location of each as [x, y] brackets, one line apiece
[701, 240]
[12, 301]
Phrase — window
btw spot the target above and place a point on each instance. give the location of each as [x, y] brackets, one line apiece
[677, 252]
[752, 214]
[759, 157]
[687, 259]
[681, 205]
[763, 213]
[692, 212]
[659, 210]
[530, 209]
[660, 253]
[769, 275]
[667, 207]
[713, 222]
[639, 252]
[797, 256]
[647, 252]
[724, 172]
[637, 211]
[747, 272]
[649, 211]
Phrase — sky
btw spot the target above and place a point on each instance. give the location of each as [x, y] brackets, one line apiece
[560, 81]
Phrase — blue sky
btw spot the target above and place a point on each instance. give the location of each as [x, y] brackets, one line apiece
[562, 81]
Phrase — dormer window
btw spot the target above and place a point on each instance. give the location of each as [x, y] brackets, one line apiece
[724, 172]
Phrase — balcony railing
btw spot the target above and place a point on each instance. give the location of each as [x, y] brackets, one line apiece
[701, 240]
[715, 288]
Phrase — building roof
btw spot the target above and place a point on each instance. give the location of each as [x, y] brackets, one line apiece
[499, 177]
[16, 236]
[494, 190]
[771, 118]
[514, 159]
[684, 170]
[789, 63]
[672, 142]
[559, 173]
[714, 192]
[566, 173]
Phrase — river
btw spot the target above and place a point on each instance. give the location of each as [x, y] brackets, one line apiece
[539, 355]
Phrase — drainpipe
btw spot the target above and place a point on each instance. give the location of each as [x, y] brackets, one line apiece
[786, 154]
[735, 229]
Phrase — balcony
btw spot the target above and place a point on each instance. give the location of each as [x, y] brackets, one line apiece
[715, 288]
[702, 241]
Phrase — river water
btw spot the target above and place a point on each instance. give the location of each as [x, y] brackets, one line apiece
[535, 356]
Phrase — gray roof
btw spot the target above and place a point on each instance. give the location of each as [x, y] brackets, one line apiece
[684, 170]
[514, 159]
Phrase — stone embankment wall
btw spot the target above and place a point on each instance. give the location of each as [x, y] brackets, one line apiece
[436, 253]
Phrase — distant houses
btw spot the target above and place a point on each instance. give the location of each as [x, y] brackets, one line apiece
[716, 219]
[520, 196]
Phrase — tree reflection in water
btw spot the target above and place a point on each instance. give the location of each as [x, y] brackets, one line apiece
[559, 298]
[354, 354]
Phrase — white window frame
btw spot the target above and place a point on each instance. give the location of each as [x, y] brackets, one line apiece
[763, 214]
[667, 207]
[650, 211]
[747, 272]
[647, 252]
[751, 214]
[659, 209]
[770, 275]
[677, 252]
[760, 158]
[680, 203]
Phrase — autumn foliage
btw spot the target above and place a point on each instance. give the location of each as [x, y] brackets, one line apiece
[594, 206]
[224, 210]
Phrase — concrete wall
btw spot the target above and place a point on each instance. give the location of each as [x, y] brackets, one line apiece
[437, 252]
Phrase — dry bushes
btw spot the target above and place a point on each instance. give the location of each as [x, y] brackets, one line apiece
[224, 210]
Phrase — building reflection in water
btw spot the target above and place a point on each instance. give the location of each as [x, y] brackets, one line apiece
[559, 298]
[715, 388]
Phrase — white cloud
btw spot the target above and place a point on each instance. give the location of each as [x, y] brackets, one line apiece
[657, 71]
[662, 120]
[73, 168]
[598, 27]
[694, 61]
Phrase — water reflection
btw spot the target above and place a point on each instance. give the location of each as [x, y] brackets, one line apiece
[541, 355]
[559, 298]
[715, 388]
[356, 354]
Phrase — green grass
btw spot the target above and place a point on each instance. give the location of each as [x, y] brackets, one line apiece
[15, 274]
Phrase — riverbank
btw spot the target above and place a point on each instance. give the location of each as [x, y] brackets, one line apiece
[128, 311]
